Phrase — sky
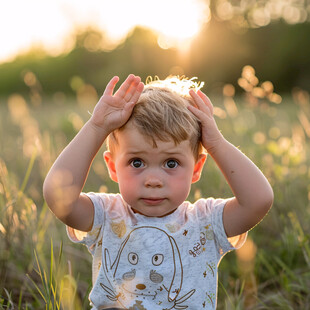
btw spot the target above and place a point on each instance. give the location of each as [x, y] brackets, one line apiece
[49, 23]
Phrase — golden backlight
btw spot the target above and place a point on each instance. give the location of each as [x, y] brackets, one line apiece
[50, 23]
[175, 21]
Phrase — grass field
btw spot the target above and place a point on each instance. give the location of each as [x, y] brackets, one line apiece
[41, 269]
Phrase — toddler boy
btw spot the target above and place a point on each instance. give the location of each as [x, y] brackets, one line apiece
[151, 248]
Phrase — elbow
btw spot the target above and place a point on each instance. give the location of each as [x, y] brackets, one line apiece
[51, 194]
[61, 200]
[261, 203]
[269, 198]
[46, 191]
[266, 201]
[48, 194]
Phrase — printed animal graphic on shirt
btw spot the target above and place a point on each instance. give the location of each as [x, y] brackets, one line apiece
[147, 270]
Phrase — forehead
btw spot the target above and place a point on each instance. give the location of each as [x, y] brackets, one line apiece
[131, 140]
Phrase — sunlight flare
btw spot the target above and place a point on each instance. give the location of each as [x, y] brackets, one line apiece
[50, 24]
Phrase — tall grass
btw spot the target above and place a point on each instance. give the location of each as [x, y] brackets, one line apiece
[41, 269]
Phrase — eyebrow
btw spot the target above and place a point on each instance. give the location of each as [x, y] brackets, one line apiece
[168, 152]
[133, 152]
[173, 152]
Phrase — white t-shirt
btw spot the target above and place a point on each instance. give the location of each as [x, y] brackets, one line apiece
[142, 262]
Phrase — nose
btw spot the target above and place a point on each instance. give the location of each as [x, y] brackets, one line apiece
[153, 180]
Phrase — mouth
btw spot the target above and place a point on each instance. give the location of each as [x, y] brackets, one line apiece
[153, 201]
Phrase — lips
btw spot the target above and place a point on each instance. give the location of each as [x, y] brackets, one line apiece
[153, 201]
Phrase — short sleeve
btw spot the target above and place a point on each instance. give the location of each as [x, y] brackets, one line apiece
[224, 244]
[90, 238]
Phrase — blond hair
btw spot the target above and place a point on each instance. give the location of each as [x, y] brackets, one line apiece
[161, 113]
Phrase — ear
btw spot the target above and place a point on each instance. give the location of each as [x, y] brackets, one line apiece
[110, 165]
[198, 167]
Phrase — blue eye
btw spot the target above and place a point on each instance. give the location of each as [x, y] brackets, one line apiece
[171, 164]
[137, 163]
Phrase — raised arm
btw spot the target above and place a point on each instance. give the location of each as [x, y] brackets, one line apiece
[63, 184]
[253, 193]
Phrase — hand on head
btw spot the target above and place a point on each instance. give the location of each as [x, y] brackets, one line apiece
[113, 110]
[204, 112]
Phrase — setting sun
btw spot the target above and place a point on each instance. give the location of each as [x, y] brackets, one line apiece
[49, 24]
[175, 21]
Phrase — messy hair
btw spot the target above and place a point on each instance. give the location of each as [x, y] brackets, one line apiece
[161, 113]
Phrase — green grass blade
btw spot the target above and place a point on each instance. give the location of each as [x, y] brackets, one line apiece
[20, 299]
[37, 288]
[226, 293]
[28, 172]
[51, 266]
[43, 280]
[60, 252]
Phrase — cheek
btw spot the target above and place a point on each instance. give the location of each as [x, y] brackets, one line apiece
[128, 185]
[180, 186]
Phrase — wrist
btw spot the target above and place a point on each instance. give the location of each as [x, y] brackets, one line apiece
[215, 145]
[96, 131]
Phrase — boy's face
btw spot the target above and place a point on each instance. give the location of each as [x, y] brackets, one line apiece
[154, 181]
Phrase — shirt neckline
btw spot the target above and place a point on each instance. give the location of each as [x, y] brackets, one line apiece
[140, 218]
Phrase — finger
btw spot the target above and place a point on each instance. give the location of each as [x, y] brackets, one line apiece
[121, 92]
[128, 107]
[137, 90]
[200, 103]
[197, 100]
[110, 87]
[205, 99]
[198, 113]
[133, 88]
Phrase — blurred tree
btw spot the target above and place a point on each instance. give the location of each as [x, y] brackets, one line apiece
[139, 54]
[279, 52]
[250, 13]
[270, 35]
